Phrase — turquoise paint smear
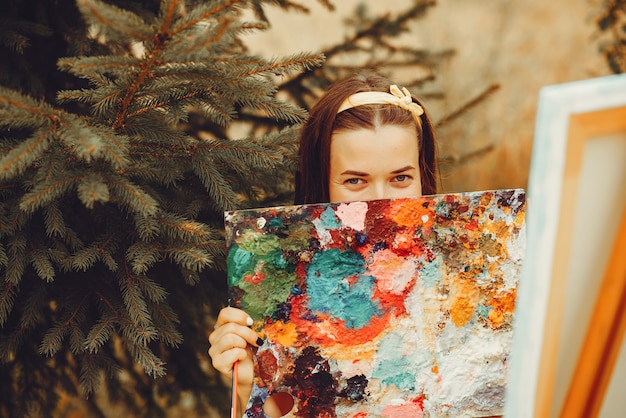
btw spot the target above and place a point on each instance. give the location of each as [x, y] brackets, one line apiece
[329, 219]
[430, 274]
[397, 367]
[276, 223]
[239, 262]
[332, 293]
[482, 310]
[398, 374]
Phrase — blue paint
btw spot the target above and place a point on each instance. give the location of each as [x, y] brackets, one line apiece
[395, 365]
[329, 219]
[430, 274]
[337, 286]
[483, 311]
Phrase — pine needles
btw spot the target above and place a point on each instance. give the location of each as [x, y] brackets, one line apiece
[108, 208]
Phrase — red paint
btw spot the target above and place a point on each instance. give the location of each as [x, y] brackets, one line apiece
[472, 225]
[255, 278]
[267, 366]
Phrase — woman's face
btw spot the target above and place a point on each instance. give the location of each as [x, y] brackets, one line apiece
[370, 164]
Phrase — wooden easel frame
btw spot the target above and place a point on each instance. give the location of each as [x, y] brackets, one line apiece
[569, 115]
[602, 342]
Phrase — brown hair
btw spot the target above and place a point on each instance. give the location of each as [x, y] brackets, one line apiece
[312, 180]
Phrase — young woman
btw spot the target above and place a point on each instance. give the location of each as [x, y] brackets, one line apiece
[365, 139]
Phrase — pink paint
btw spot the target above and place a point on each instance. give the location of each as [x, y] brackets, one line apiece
[403, 411]
[352, 214]
[393, 272]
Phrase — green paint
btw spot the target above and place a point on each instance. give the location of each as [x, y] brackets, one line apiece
[261, 299]
[257, 243]
[298, 237]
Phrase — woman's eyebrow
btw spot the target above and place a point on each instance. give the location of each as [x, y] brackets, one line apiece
[405, 168]
[354, 173]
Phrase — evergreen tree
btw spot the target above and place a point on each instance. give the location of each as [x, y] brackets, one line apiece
[117, 159]
[109, 211]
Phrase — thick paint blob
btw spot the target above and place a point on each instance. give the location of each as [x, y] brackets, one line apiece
[337, 286]
[388, 308]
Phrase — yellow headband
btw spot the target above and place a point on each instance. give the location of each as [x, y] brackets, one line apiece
[401, 98]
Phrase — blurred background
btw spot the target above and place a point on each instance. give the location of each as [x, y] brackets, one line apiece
[507, 49]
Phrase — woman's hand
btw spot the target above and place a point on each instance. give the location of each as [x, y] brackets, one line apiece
[230, 342]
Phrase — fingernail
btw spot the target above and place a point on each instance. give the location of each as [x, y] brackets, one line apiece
[249, 321]
[259, 341]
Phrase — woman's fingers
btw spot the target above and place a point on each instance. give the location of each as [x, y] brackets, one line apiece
[231, 340]
[237, 322]
[234, 335]
[234, 315]
[226, 359]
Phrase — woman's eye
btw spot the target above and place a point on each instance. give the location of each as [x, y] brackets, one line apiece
[402, 178]
[354, 181]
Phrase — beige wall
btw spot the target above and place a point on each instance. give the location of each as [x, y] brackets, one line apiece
[520, 45]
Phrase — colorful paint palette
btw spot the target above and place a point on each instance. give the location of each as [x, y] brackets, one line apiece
[386, 308]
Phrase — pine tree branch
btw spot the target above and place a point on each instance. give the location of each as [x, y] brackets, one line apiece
[53, 218]
[17, 259]
[190, 257]
[42, 265]
[53, 338]
[185, 229]
[100, 333]
[164, 315]
[32, 310]
[142, 256]
[111, 17]
[47, 192]
[132, 196]
[225, 6]
[7, 298]
[134, 301]
[151, 364]
[89, 377]
[21, 157]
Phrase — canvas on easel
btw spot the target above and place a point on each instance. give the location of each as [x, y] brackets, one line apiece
[386, 308]
[576, 202]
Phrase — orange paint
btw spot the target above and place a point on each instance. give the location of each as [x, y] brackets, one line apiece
[285, 334]
[503, 307]
[412, 213]
[329, 331]
[465, 296]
